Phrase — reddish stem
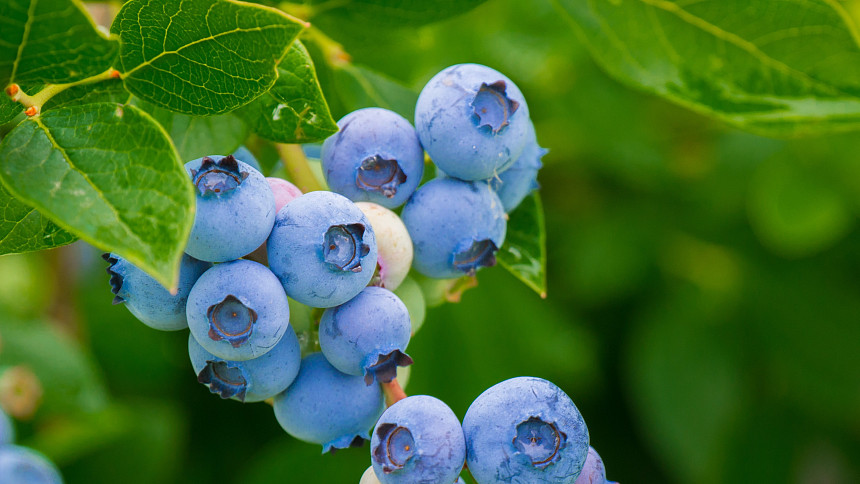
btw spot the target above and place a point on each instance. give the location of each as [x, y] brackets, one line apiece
[393, 392]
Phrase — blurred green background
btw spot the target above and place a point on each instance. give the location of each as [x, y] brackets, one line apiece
[703, 307]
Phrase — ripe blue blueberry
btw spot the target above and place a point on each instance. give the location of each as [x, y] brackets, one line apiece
[235, 209]
[327, 407]
[393, 245]
[525, 430]
[472, 120]
[513, 184]
[148, 300]
[367, 335]
[20, 465]
[375, 157]
[250, 380]
[7, 430]
[593, 471]
[323, 249]
[244, 154]
[238, 310]
[418, 439]
[456, 227]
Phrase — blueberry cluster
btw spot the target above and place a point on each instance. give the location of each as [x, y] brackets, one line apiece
[522, 430]
[250, 323]
[304, 300]
[20, 465]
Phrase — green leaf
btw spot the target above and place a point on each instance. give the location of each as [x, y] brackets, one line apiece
[108, 174]
[359, 87]
[391, 13]
[51, 41]
[776, 68]
[8, 109]
[201, 56]
[196, 136]
[67, 374]
[24, 229]
[524, 250]
[294, 110]
[111, 90]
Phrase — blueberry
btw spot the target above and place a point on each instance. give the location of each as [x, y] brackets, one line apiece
[367, 335]
[525, 430]
[235, 209]
[250, 380]
[323, 249]
[244, 154]
[472, 120]
[418, 439]
[393, 245]
[375, 157]
[593, 471]
[20, 465]
[325, 406]
[148, 300]
[456, 227]
[369, 477]
[284, 192]
[513, 184]
[238, 310]
[7, 430]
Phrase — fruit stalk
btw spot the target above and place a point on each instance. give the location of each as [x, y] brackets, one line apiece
[393, 392]
[297, 166]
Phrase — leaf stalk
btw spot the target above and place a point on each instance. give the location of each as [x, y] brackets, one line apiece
[35, 102]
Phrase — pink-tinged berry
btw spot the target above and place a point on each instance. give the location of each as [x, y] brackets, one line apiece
[285, 192]
[393, 244]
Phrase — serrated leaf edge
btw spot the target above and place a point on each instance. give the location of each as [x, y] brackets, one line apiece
[171, 283]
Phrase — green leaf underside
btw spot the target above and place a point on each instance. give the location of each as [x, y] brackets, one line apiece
[524, 250]
[198, 136]
[772, 67]
[111, 90]
[50, 41]
[108, 174]
[24, 229]
[359, 87]
[201, 57]
[8, 108]
[294, 110]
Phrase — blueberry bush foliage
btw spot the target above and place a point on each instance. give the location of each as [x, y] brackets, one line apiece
[695, 228]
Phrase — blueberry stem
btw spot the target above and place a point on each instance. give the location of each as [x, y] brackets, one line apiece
[297, 166]
[456, 287]
[333, 53]
[298, 10]
[393, 392]
[307, 12]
